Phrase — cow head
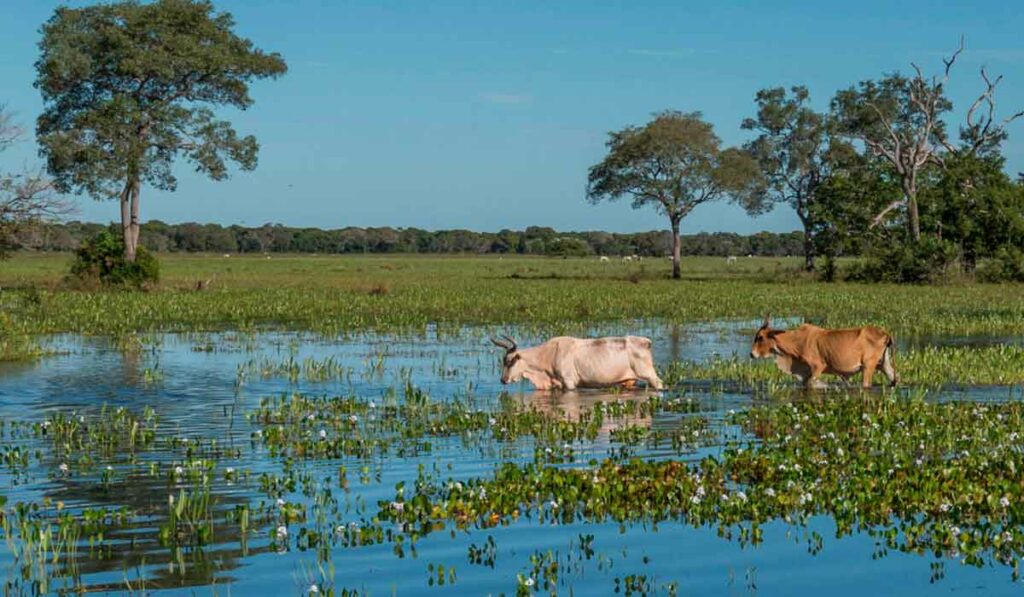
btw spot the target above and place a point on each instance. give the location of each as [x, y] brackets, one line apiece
[764, 340]
[512, 364]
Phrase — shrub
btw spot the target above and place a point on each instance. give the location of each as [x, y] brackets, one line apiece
[102, 258]
[927, 260]
[1007, 265]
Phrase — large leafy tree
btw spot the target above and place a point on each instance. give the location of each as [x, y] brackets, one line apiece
[674, 163]
[797, 153]
[975, 205]
[130, 87]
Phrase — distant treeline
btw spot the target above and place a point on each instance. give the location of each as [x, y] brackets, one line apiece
[535, 240]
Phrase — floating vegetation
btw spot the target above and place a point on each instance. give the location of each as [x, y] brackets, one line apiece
[412, 460]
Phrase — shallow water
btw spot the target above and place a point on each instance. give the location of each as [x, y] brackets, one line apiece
[202, 386]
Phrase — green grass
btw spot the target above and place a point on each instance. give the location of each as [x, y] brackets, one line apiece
[338, 294]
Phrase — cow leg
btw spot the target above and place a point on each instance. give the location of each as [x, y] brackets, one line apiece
[812, 380]
[643, 368]
[869, 372]
[649, 375]
[887, 368]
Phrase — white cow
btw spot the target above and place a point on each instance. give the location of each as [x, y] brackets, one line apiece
[568, 363]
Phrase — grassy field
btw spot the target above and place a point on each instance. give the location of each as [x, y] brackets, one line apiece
[338, 294]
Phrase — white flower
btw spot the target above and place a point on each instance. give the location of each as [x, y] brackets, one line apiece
[313, 588]
[528, 582]
[944, 507]
[373, 404]
[230, 470]
[553, 504]
[724, 498]
[397, 506]
[742, 496]
[806, 498]
[547, 450]
[353, 418]
[492, 421]
[311, 417]
[1004, 502]
[282, 532]
[280, 503]
[63, 467]
[323, 435]
[694, 499]
[81, 418]
[955, 530]
[259, 433]
[483, 493]
[178, 471]
[110, 468]
[769, 492]
[700, 490]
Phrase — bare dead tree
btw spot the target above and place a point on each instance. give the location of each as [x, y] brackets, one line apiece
[26, 199]
[984, 133]
[9, 133]
[901, 120]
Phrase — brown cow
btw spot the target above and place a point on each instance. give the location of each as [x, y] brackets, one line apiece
[808, 351]
[568, 363]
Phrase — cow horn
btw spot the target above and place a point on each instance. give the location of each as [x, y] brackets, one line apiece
[512, 343]
[500, 343]
[767, 320]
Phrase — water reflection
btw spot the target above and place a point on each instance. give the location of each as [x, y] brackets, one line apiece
[573, 406]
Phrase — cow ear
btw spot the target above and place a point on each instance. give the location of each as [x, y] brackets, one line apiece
[773, 333]
[767, 321]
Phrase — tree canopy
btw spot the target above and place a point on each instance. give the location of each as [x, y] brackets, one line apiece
[129, 87]
[674, 163]
[797, 152]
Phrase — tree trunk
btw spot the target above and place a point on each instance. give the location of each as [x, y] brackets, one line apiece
[135, 219]
[808, 249]
[913, 216]
[126, 223]
[676, 273]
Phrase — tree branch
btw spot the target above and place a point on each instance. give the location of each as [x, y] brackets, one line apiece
[881, 216]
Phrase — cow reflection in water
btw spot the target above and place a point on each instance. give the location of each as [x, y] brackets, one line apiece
[578, 404]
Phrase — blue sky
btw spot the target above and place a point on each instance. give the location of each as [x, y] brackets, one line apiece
[486, 115]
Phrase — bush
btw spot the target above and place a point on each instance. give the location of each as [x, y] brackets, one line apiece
[1006, 266]
[927, 260]
[102, 258]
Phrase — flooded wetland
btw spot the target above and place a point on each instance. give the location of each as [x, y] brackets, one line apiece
[384, 464]
[250, 458]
